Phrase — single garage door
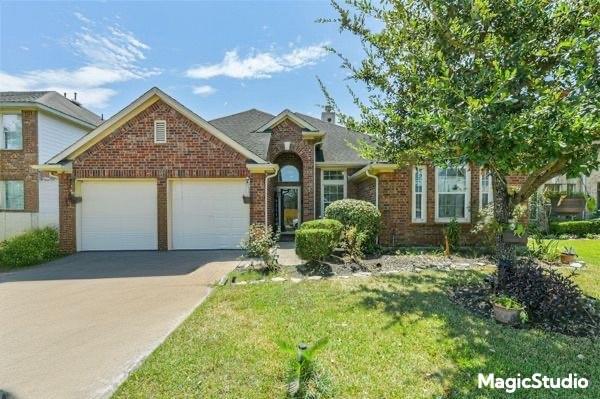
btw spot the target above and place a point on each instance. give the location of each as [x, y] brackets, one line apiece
[208, 214]
[118, 215]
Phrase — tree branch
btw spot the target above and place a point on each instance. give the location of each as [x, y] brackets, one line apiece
[536, 179]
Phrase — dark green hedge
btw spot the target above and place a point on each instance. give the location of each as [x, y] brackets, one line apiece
[577, 227]
[33, 247]
[314, 244]
[335, 226]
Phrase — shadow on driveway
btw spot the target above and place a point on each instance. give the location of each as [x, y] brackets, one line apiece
[117, 264]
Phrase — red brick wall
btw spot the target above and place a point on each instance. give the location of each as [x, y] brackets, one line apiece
[257, 198]
[16, 164]
[289, 131]
[66, 212]
[130, 152]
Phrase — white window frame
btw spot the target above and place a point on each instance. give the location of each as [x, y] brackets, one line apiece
[156, 141]
[332, 182]
[490, 192]
[423, 218]
[467, 218]
[2, 138]
[3, 193]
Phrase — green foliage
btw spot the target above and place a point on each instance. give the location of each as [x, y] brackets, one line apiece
[314, 244]
[31, 248]
[452, 234]
[306, 380]
[590, 204]
[513, 87]
[335, 226]
[543, 249]
[360, 214]
[568, 251]
[263, 243]
[353, 243]
[507, 302]
[579, 227]
[486, 227]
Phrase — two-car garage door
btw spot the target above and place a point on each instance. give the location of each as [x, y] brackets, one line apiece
[122, 214]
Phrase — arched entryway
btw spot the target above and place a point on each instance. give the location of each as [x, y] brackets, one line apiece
[288, 193]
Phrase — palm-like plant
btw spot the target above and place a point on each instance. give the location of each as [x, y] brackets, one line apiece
[302, 363]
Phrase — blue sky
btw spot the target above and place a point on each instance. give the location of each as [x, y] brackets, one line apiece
[217, 58]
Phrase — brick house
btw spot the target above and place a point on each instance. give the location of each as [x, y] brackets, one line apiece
[158, 176]
[35, 126]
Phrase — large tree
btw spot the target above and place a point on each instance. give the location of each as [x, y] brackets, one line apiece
[512, 86]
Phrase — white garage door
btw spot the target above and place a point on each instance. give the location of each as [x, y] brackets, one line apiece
[208, 214]
[118, 215]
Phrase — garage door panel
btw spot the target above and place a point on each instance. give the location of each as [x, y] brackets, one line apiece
[118, 215]
[208, 214]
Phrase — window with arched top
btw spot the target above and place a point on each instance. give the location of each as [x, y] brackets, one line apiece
[289, 174]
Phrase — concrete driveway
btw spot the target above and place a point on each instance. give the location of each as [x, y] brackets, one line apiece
[75, 327]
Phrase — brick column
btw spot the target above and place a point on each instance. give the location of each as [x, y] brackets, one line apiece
[66, 213]
[162, 220]
[257, 198]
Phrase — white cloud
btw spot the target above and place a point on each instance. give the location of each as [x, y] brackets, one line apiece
[204, 90]
[110, 55]
[259, 65]
[24, 48]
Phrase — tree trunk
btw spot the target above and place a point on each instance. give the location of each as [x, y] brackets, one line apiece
[503, 208]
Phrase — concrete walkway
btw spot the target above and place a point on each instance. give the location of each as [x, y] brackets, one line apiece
[287, 254]
[75, 327]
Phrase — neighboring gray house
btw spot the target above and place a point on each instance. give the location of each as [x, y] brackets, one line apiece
[35, 126]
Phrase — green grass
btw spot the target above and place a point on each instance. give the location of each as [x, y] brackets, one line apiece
[588, 251]
[390, 337]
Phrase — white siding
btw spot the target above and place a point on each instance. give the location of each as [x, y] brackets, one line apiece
[54, 135]
[48, 194]
[14, 223]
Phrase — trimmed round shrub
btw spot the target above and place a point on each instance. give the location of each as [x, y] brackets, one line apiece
[33, 247]
[314, 244]
[360, 214]
[335, 226]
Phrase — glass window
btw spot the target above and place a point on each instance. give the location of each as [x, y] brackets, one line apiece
[452, 194]
[12, 132]
[554, 188]
[570, 188]
[419, 198]
[485, 188]
[289, 173]
[333, 187]
[12, 195]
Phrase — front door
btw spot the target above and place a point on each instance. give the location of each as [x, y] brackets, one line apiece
[289, 209]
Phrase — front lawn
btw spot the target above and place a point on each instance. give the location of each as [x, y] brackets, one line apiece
[589, 252]
[397, 336]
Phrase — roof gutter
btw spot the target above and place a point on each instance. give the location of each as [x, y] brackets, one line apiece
[373, 169]
[54, 168]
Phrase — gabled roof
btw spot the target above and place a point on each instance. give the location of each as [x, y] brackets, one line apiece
[141, 103]
[53, 102]
[337, 142]
[287, 114]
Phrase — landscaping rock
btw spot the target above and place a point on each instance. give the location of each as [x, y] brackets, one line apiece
[278, 279]
[295, 280]
[314, 278]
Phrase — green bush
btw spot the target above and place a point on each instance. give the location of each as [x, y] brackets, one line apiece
[579, 227]
[360, 214]
[314, 244]
[31, 248]
[263, 243]
[335, 226]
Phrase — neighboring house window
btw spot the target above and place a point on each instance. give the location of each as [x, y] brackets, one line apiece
[419, 194]
[570, 188]
[333, 187]
[160, 132]
[12, 133]
[453, 188]
[289, 174]
[485, 188]
[12, 195]
[553, 188]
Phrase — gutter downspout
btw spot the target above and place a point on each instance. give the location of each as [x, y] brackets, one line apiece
[315, 179]
[267, 178]
[376, 192]
[376, 187]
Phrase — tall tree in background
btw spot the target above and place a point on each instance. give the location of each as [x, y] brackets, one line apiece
[512, 86]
